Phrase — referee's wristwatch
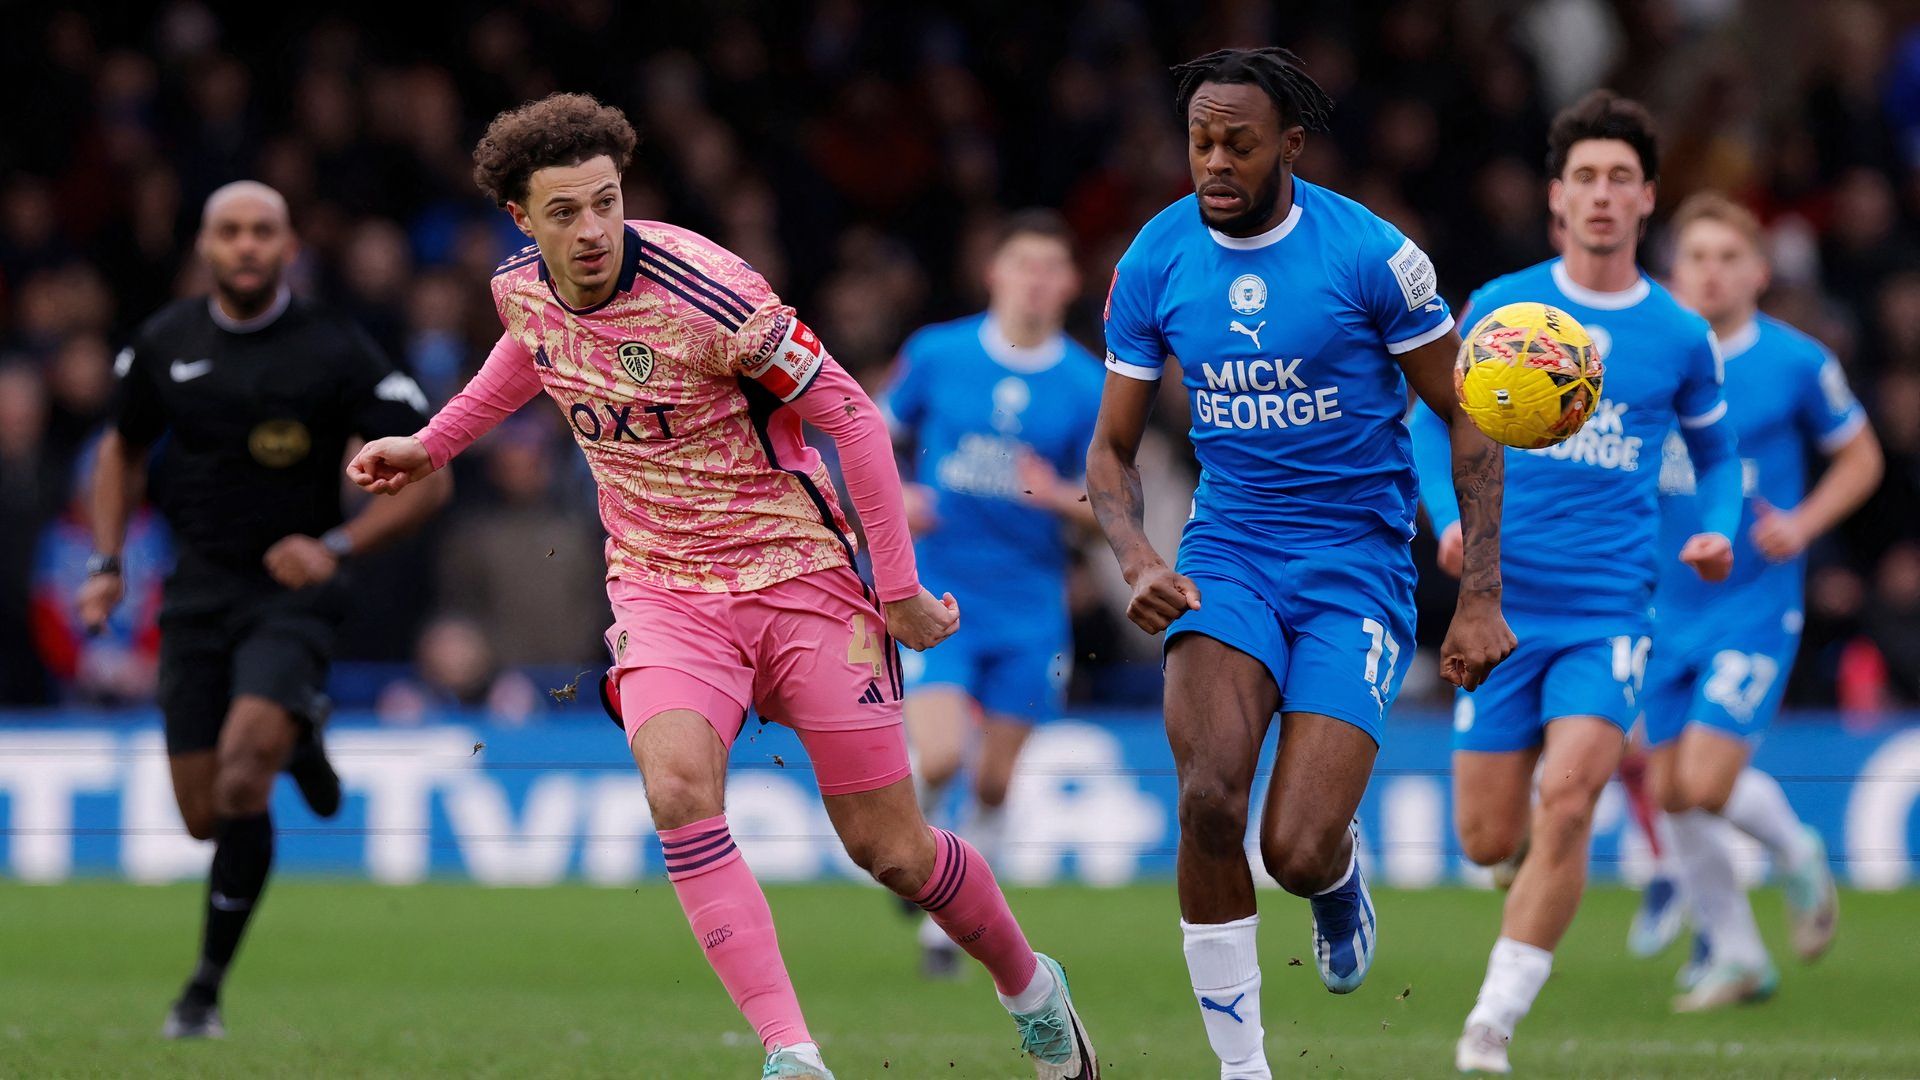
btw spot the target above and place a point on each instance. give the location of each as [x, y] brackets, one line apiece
[98, 564]
[337, 542]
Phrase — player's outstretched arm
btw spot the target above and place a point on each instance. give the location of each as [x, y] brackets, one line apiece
[1113, 488]
[505, 382]
[1478, 637]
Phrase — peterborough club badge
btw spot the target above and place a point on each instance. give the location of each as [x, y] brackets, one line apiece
[636, 359]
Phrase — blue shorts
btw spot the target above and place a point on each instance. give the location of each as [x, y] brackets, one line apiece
[1565, 665]
[1334, 625]
[1722, 669]
[1014, 672]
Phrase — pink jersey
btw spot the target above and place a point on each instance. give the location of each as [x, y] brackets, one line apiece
[686, 390]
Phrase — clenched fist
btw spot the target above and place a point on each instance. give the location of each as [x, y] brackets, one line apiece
[921, 622]
[1160, 596]
[384, 466]
[1710, 555]
[299, 561]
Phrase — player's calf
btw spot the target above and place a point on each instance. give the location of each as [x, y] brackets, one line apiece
[733, 926]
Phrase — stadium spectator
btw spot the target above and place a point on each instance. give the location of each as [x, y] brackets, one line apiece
[1893, 618]
[457, 670]
[526, 568]
[119, 664]
[759, 127]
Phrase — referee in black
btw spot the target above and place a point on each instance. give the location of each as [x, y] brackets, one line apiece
[247, 399]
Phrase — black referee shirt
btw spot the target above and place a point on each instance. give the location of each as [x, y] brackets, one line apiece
[255, 417]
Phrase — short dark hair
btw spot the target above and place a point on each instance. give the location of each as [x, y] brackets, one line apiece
[557, 130]
[1280, 73]
[1604, 114]
[1034, 221]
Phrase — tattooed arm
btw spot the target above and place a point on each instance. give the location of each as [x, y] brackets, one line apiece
[1478, 638]
[1113, 487]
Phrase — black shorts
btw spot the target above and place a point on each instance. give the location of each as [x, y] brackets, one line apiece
[224, 634]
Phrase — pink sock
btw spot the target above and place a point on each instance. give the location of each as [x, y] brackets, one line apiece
[734, 927]
[967, 903]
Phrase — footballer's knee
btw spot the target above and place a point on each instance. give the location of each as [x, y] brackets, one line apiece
[1306, 864]
[199, 822]
[679, 798]
[1675, 782]
[991, 791]
[1213, 813]
[1564, 815]
[241, 793]
[1486, 841]
[1709, 792]
[901, 861]
[935, 764]
[244, 781]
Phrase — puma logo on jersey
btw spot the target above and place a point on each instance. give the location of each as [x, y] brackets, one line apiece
[185, 371]
[1239, 327]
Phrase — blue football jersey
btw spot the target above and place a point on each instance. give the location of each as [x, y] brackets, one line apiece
[1580, 528]
[974, 402]
[1285, 344]
[1786, 395]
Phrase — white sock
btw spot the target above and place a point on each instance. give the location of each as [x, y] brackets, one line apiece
[1667, 863]
[807, 1050]
[1034, 996]
[1224, 963]
[1760, 809]
[1719, 904]
[986, 830]
[1515, 973]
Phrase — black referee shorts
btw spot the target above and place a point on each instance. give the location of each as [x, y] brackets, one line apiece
[223, 635]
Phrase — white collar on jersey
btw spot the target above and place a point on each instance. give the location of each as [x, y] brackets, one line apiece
[1266, 239]
[1740, 340]
[259, 322]
[1025, 359]
[1594, 298]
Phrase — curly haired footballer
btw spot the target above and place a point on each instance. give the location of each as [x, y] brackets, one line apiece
[559, 129]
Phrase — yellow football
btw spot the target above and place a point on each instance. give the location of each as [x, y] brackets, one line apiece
[1528, 375]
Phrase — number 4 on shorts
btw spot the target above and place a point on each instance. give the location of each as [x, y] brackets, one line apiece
[864, 648]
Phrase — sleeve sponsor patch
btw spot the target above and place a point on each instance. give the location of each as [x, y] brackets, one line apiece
[1419, 282]
[788, 359]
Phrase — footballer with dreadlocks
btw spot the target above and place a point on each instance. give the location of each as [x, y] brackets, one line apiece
[1298, 320]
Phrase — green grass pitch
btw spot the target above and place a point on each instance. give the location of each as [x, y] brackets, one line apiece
[355, 980]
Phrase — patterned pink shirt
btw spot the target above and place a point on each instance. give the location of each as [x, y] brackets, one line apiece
[686, 390]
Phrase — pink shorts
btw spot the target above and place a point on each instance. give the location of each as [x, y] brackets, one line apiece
[812, 653]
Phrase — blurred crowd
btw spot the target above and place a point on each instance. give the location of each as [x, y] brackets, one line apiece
[859, 154]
